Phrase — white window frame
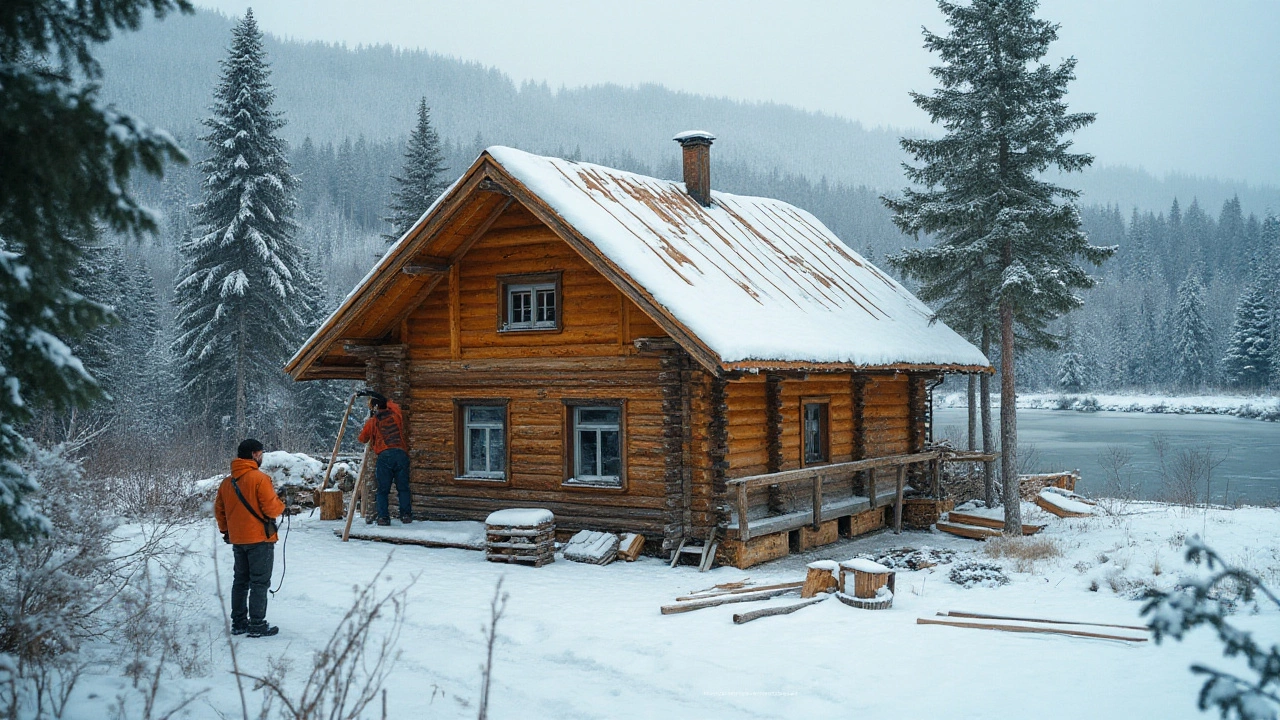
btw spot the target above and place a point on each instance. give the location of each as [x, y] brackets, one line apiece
[608, 481]
[534, 290]
[488, 426]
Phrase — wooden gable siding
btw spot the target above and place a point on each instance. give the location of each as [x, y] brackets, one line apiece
[456, 353]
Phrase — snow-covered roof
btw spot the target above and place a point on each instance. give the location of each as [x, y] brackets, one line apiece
[747, 283]
[755, 279]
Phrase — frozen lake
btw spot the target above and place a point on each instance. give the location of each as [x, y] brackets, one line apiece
[1066, 440]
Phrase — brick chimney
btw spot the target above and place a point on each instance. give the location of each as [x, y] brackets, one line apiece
[696, 145]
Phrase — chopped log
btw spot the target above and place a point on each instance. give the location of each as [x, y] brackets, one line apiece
[726, 599]
[868, 577]
[331, 504]
[819, 580]
[631, 547]
[1028, 629]
[740, 618]
[984, 616]
[965, 518]
[866, 585]
[972, 532]
[741, 590]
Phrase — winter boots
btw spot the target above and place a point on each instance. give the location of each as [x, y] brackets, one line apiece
[384, 521]
[261, 629]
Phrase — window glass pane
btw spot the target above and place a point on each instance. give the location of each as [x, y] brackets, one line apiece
[813, 431]
[610, 454]
[547, 306]
[497, 451]
[519, 302]
[476, 450]
[487, 415]
[586, 450]
[599, 416]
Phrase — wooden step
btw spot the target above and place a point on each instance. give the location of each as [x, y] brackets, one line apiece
[965, 518]
[1060, 512]
[972, 532]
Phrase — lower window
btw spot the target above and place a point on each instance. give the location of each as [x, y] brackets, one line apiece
[484, 440]
[597, 446]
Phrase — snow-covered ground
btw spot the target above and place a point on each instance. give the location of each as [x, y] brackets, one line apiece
[1262, 407]
[586, 641]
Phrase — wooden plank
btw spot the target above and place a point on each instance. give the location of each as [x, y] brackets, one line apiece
[897, 500]
[727, 599]
[985, 616]
[1051, 630]
[847, 467]
[744, 529]
[1060, 512]
[455, 314]
[738, 591]
[968, 531]
[970, 519]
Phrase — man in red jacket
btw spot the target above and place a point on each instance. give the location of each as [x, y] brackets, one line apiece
[385, 427]
[246, 500]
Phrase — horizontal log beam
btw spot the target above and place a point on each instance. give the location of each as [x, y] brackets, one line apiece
[803, 474]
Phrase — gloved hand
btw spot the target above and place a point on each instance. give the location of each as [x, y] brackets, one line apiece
[372, 394]
[226, 538]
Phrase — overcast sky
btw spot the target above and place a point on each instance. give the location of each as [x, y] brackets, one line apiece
[1191, 86]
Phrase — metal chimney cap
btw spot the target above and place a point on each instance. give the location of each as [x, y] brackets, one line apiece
[694, 136]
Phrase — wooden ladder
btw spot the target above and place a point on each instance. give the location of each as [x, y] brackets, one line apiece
[706, 551]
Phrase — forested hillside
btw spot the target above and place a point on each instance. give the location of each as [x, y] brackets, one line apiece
[1189, 249]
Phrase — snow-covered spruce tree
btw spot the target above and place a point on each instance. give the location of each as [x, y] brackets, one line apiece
[65, 163]
[1247, 363]
[1191, 335]
[1071, 373]
[422, 179]
[1006, 237]
[239, 298]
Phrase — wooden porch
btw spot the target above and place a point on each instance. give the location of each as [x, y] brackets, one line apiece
[886, 479]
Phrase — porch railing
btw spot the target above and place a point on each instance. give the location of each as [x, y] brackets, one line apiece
[816, 476]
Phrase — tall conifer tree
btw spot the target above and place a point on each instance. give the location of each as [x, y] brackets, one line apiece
[66, 159]
[1191, 334]
[1247, 363]
[240, 298]
[1007, 239]
[422, 179]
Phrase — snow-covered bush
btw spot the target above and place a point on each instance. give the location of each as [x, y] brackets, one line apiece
[1174, 613]
[976, 573]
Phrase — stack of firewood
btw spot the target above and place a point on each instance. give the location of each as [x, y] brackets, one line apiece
[521, 536]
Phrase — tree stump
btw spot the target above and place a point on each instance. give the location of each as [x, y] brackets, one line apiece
[331, 504]
[868, 577]
[821, 578]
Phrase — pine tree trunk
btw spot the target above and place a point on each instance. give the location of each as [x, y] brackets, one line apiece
[241, 399]
[973, 412]
[1009, 425]
[988, 468]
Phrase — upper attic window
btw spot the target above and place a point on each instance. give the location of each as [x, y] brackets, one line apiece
[529, 302]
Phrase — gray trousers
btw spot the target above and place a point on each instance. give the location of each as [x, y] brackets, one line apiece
[252, 579]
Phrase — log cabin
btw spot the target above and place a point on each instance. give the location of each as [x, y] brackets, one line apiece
[642, 355]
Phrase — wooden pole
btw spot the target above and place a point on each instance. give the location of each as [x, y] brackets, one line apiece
[740, 591]
[897, 501]
[1028, 629]
[333, 457]
[739, 618]
[726, 599]
[984, 616]
[351, 511]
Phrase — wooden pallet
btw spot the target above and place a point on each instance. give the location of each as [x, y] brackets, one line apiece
[535, 545]
[964, 518]
[973, 532]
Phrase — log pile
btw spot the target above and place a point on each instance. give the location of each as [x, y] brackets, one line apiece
[521, 536]
[630, 547]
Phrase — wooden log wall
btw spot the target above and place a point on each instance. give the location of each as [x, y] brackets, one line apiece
[456, 353]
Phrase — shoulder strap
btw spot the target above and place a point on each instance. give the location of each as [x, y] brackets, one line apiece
[240, 495]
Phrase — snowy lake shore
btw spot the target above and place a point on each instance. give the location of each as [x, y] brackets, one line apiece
[1261, 407]
[586, 641]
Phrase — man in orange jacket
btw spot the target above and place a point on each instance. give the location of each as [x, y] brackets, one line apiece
[246, 500]
[385, 427]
